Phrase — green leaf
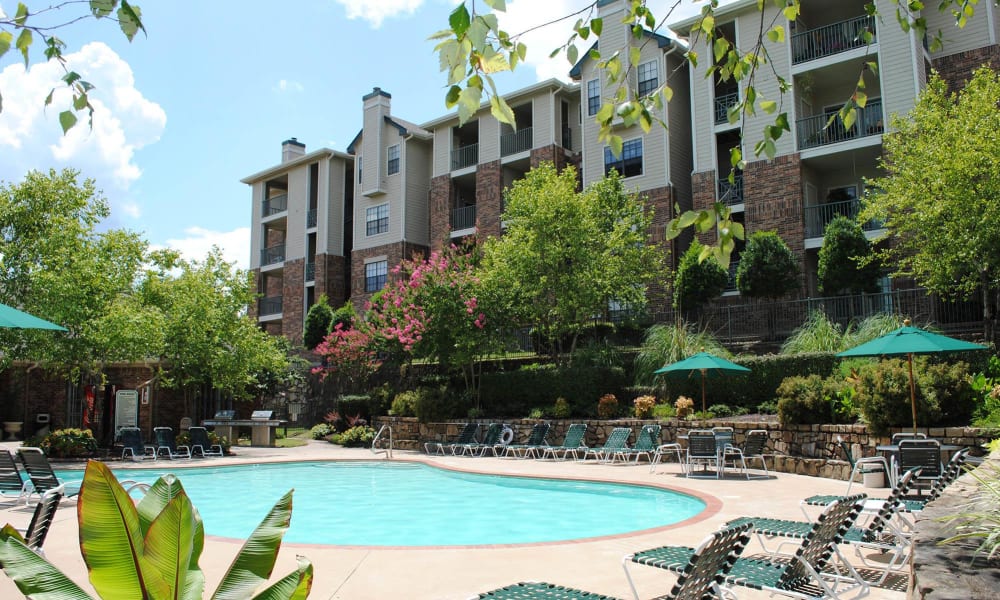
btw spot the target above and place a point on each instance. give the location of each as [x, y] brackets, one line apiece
[6, 38]
[634, 56]
[498, 5]
[80, 101]
[501, 111]
[459, 20]
[768, 106]
[34, 576]
[294, 586]
[605, 113]
[173, 545]
[468, 103]
[477, 33]
[102, 8]
[616, 145]
[21, 15]
[23, 43]
[572, 54]
[67, 120]
[256, 558]
[791, 12]
[597, 25]
[129, 19]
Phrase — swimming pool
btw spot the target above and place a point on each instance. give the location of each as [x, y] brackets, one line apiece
[412, 504]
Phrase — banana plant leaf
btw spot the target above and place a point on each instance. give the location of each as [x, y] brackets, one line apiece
[34, 576]
[294, 586]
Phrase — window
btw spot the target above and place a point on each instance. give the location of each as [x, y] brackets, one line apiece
[649, 78]
[629, 164]
[593, 96]
[375, 273]
[377, 219]
[393, 159]
[359, 169]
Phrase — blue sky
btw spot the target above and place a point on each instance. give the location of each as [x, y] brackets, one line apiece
[207, 97]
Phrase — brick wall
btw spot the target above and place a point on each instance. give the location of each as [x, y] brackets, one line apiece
[661, 200]
[292, 301]
[774, 202]
[331, 279]
[440, 211]
[395, 253]
[553, 154]
[957, 69]
[489, 198]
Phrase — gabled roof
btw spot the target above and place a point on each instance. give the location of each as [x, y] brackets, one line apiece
[297, 161]
[403, 127]
[662, 41]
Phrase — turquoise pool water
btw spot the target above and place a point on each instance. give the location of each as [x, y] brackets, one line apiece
[409, 504]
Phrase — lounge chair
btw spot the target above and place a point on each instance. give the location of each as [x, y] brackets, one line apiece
[490, 442]
[166, 443]
[12, 485]
[753, 447]
[879, 533]
[466, 436]
[133, 444]
[646, 443]
[41, 477]
[951, 472]
[572, 442]
[615, 446]
[41, 521]
[702, 450]
[800, 576]
[202, 445]
[699, 577]
[534, 444]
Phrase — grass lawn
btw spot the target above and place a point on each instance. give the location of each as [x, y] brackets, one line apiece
[297, 436]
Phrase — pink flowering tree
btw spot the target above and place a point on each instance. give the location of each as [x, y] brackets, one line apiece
[349, 357]
[432, 310]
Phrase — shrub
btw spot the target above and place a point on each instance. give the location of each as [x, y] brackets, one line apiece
[768, 408]
[807, 400]
[607, 406]
[698, 281]
[644, 406]
[664, 411]
[514, 393]
[561, 409]
[320, 431]
[68, 443]
[767, 267]
[361, 435]
[536, 413]
[724, 410]
[404, 404]
[684, 406]
[437, 403]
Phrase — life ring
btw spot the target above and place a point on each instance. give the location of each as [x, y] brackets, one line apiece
[507, 435]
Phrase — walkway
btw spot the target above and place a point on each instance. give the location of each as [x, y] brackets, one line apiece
[456, 574]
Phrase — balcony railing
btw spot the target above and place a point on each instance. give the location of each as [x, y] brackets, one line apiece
[731, 193]
[819, 216]
[311, 218]
[518, 141]
[275, 205]
[813, 131]
[269, 306]
[310, 271]
[832, 39]
[465, 156]
[722, 105]
[463, 218]
[567, 138]
[272, 255]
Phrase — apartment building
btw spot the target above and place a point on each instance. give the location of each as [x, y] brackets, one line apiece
[818, 172]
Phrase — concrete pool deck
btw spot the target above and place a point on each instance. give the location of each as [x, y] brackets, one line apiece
[352, 573]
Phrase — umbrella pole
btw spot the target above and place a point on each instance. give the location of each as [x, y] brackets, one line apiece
[703, 409]
[913, 393]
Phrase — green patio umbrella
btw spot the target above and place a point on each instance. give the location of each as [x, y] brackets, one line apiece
[910, 340]
[10, 317]
[708, 365]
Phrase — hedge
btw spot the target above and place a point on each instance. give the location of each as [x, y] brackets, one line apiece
[516, 393]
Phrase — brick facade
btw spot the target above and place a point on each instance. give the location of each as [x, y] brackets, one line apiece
[292, 301]
[395, 253]
[553, 154]
[957, 69]
[440, 211]
[331, 279]
[489, 198]
[661, 200]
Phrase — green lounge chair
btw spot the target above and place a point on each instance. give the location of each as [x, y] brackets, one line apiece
[534, 444]
[466, 436]
[12, 485]
[699, 578]
[41, 521]
[41, 477]
[133, 444]
[166, 443]
[880, 533]
[491, 440]
[615, 446]
[202, 445]
[646, 443]
[801, 576]
[572, 442]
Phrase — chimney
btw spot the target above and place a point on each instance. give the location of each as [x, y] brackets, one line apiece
[377, 108]
[292, 149]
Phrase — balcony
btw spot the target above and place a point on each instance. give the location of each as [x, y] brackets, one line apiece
[275, 205]
[731, 193]
[832, 39]
[465, 156]
[518, 141]
[272, 255]
[311, 218]
[463, 218]
[269, 306]
[819, 216]
[310, 271]
[813, 131]
[722, 105]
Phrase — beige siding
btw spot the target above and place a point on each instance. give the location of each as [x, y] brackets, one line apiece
[703, 114]
[298, 199]
[747, 28]
[330, 212]
[543, 119]
[679, 132]
[442, 149]
[256, 231]
[980, 30]
[489, 138]
[417, 183]
[898, 67]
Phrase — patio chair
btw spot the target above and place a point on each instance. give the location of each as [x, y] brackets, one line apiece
[202, 445]
[864, 465]
[724, 436]
[753, 447]
[702, 450]
[466, 436]
[41, 521]
[41, 477]
[803, 575]
[880, 533]
[133, 444]
[646, 443]
[490, 442]
[700, 575]
[920, 454]
[12, 485]
[951, 472]
[531, 446]
[898, 437]
[615, 446]
[166, 443]
[662, 450]
[572, 442]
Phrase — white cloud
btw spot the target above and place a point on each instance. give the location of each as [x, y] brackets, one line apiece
[124, 121]
[287, 85]
[131, 209]
[376, 12]
[235, 244]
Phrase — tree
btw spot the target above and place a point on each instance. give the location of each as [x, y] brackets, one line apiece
[566, 255]
[349, 356]
[767, 267]
[698, 281]
[473, 48]
[844, 260]
[42, 22]
[318, 322]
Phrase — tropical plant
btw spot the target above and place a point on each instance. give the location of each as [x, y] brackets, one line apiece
[151, 549]
[664, 344]
[644, 406]
[684, 406]
[607, 406]
[68, 443]
[817, 334]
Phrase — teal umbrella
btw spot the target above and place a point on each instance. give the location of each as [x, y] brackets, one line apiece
[708, 365]
[10, 317]
[909, 340]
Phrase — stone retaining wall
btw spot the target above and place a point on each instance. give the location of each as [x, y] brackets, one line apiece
[801, 449]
